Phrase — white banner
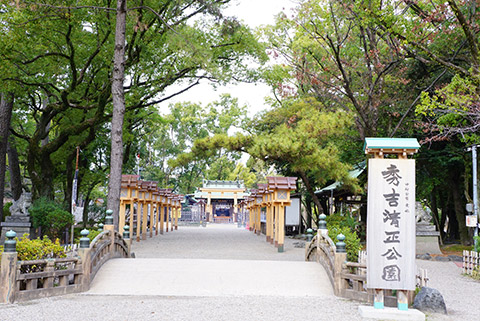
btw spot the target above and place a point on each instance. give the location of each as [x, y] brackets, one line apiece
[391, 224]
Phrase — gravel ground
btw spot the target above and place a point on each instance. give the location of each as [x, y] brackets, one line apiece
[216, 241]
[226, 242]
[461, 293]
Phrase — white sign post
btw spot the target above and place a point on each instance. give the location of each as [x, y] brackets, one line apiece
[391, 224]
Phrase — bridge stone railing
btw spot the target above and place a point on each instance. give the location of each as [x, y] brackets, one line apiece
[348, 279]
[28, 280]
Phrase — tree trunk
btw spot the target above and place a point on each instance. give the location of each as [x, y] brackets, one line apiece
[434, 208]
[6, 106]
[459, 206]
[310, 190]
[14, 168]
[116, 153]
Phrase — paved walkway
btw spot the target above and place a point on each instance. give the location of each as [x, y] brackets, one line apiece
[222, 272]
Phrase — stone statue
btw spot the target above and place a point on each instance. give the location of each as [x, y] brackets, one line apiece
[20, 206]
[19, 221]
[421, 215]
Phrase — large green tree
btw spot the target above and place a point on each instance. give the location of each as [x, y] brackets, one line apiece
[60, 55]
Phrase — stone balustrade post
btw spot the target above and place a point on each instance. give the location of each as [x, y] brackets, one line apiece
[127, 239]
[110, 227]
[322, 225]
[8, 269]
[340, 258]
[309, 235]
[84, 254]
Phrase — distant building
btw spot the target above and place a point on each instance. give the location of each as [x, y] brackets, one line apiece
[221, 200]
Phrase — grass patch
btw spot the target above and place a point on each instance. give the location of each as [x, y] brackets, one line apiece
[456, 248]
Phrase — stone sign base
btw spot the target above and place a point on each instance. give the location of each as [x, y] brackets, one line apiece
[427, 244]
[18, 223]
[427, 239]
[390, 314]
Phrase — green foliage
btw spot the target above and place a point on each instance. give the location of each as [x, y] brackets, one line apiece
[50, 217]
[477, 247]
[93, 233]
[476, 273]
[338, 224]
[38, 249]
[6, 209]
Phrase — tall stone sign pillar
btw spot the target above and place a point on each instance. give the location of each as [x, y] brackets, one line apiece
[391, 220]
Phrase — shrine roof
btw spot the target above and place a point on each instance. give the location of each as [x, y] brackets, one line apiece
[223, 184]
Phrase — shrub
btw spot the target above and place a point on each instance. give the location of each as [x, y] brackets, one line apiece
[345, 225]
[93, 234]
[477, 243]
[38, 249]
[48, 215]
[6, 210]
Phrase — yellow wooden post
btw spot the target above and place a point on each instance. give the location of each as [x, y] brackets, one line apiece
[281, 187]
[167, 211]
[276, 225]
[172, 215]
[250, 214]
[281, 228]
[162, 210]
[144, 216]
[141, 195]
[127, 185]
[235, 208]
[133, 199]
[179, 210]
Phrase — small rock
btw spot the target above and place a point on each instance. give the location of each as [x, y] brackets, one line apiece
[455, 258]
[299, 245]
[442, 259]
[424, 256]
[430, 300]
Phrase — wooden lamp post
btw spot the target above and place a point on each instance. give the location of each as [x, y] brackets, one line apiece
[281, 187]
[152, 187]
[127, 197]
[252, 210]
[178, 206]
[171, 201]
[267, 203]
[156, 205]
[258, 207]
[145, 202]
[162, 205]
[140, 205]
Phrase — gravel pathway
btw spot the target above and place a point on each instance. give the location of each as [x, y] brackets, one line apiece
[230, 243]
[216, 241]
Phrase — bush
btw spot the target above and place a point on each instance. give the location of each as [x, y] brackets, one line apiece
[93, 234]
[345, 225]
[477, 247]
[50, 217]
[38, 249]
[6, 210]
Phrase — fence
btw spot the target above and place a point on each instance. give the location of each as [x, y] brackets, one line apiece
[27, 280]
[470, 261]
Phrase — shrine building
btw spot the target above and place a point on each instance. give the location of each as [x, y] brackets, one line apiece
[222, 199]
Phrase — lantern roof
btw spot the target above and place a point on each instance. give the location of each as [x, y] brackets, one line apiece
[283, 183]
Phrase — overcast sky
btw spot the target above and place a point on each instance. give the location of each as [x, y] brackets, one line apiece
[254, 13]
